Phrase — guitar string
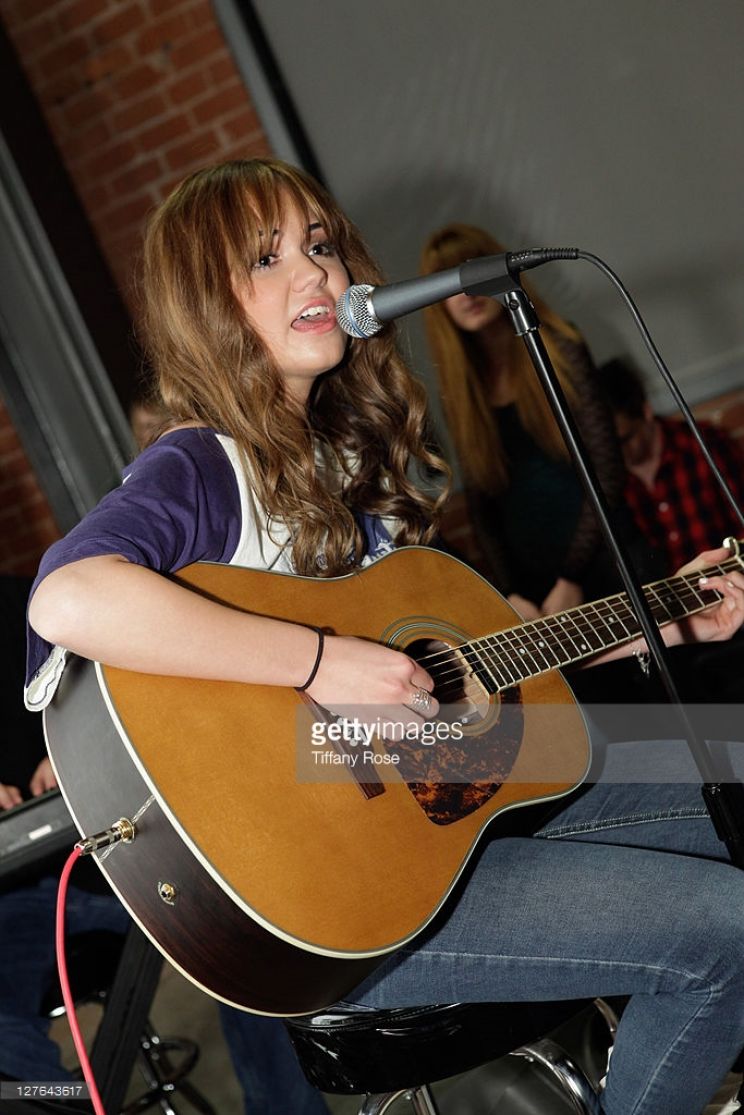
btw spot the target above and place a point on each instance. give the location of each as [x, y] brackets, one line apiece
[558, 643]
[686, 582]
[547, 625]
[555, 627]
[503, 675]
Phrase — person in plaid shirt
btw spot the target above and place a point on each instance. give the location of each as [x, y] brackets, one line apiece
[675, 500]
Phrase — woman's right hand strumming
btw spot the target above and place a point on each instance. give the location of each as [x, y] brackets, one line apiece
[362, 679]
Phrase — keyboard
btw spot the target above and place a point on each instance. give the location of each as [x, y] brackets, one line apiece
[32, 833]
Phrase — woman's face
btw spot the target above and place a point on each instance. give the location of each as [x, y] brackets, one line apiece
[291, 301]
[472, 313]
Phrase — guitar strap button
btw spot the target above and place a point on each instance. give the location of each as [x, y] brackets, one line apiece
[168, 893]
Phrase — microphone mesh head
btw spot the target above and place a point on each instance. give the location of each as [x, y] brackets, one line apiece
[354, 312]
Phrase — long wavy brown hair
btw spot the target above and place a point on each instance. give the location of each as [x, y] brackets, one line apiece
[464, 373]
[362, 443]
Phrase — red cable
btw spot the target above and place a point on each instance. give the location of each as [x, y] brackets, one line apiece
[77, 1037]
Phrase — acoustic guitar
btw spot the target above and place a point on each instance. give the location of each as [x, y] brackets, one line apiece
[280, 852]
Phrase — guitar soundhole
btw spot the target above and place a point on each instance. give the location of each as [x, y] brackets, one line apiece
[462, 689]
[468, 758]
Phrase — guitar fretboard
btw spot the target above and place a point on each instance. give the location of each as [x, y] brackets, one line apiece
[518, 653]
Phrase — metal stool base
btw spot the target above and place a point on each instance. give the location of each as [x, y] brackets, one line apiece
[570, 1078]
[421, 1100]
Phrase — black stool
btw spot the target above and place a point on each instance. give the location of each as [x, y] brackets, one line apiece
[123, 980]
[384, 1055]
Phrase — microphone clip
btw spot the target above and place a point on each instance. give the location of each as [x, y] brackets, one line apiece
[488, 276]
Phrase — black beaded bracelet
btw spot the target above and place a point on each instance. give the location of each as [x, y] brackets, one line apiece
[316, 664]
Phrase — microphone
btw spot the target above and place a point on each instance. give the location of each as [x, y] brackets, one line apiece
[362, 310]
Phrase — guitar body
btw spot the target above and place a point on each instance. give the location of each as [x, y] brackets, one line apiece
[292, 878]
[204, 932]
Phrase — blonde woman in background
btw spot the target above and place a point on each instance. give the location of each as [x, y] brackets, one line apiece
[539, 537]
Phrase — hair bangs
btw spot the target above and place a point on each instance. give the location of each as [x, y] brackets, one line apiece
[261, 195]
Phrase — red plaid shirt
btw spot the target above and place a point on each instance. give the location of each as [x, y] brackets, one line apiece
[686, 512]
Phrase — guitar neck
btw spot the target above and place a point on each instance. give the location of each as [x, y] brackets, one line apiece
[518, 653]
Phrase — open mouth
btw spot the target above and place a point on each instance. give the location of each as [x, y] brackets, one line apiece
[314, 314]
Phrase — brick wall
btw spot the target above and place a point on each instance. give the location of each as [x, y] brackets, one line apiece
[136, 94]
[27, 526]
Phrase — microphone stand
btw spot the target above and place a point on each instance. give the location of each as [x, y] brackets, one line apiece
[724, 799]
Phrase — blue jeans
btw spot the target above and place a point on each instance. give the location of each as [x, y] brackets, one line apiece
[266, 1066]
[626, 891]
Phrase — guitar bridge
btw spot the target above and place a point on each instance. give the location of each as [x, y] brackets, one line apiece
[343, 744]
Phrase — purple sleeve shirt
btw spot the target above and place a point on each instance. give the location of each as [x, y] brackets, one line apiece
[178, 503]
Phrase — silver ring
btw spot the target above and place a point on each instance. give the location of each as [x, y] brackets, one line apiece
[420, 701]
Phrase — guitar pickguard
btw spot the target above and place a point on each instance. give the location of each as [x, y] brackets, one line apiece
[464, 768]
[480, 762]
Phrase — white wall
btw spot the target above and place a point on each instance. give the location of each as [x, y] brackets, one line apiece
[611, 125]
